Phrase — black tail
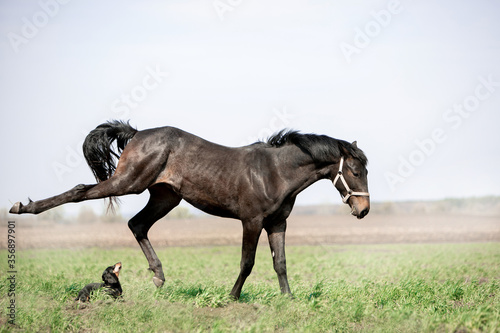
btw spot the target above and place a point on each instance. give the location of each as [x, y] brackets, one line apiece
[98, 150]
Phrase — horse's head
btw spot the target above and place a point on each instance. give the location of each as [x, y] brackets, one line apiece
[350, 178]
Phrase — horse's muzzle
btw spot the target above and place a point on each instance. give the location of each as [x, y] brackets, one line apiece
[360, 206]
[362, 214]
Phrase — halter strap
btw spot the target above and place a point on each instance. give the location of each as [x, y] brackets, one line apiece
[350, 193]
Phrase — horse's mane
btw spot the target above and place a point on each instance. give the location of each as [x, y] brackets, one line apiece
[320, 147]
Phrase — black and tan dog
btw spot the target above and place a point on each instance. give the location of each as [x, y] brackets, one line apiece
[111, 284]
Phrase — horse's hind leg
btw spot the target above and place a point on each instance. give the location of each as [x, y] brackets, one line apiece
[76, 194]
[115, 186]
[162, 201]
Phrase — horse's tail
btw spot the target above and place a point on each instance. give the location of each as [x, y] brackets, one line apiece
[98, 149]
[99, 153]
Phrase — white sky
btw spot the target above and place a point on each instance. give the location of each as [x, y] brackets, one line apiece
[384, 73]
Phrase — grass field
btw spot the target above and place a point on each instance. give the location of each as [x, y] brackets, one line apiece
[372, 288]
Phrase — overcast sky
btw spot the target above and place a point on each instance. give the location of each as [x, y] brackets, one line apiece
[416, 83]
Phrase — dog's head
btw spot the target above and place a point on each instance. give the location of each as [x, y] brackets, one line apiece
[110, 274]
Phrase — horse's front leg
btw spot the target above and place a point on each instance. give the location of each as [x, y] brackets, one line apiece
[276, 236]
[251, 233]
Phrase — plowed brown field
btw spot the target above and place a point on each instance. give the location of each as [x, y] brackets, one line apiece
[302, 230]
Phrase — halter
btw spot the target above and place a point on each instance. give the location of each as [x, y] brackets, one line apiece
[349, 191]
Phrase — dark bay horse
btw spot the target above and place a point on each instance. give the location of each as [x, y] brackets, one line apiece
[256, 184]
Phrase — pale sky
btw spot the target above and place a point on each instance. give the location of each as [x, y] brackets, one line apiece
[417, 84]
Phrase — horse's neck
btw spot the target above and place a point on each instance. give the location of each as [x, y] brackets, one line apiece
[300, 169]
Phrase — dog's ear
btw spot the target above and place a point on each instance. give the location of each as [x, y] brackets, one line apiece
[108, 276]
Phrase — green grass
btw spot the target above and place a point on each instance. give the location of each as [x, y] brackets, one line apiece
[371, 288]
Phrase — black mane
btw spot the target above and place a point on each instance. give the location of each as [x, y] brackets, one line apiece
[321, 147]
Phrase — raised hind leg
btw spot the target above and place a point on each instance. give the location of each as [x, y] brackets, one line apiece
[276, 236]
[251, 233]
[76, 194]
[119, 184]
[162, 201]
[115, 186]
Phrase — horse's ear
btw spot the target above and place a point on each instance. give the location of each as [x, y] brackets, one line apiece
[355, 144]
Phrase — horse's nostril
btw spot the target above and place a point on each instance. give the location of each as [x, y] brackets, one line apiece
[363, 213]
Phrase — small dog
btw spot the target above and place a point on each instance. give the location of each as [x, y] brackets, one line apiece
[111, 284]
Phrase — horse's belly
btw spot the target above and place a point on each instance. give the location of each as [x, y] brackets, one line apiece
[212, 208]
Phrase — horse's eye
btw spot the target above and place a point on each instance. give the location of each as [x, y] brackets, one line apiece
[355, 174]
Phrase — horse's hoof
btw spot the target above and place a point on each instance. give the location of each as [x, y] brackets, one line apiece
[16, 209]
[158, 282]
